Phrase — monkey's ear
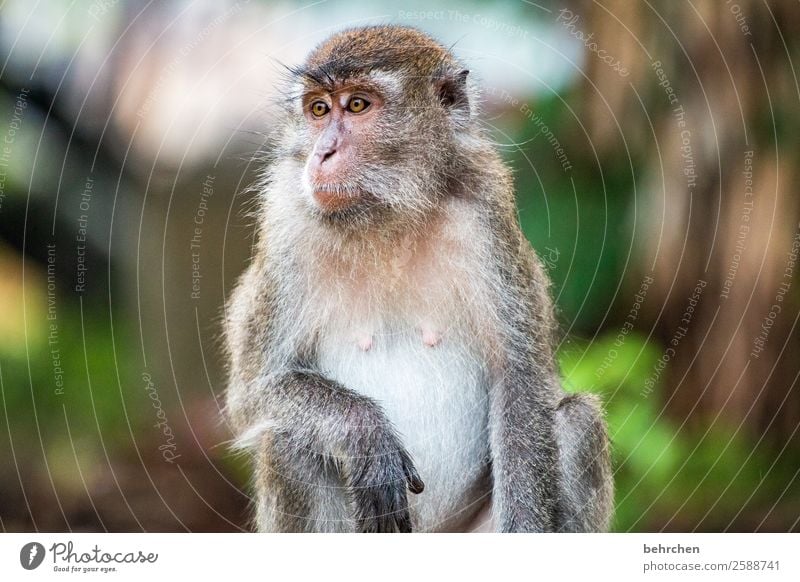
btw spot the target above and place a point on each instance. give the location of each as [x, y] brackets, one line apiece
[451, 88]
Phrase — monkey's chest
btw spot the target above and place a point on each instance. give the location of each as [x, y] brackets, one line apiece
[433, 387]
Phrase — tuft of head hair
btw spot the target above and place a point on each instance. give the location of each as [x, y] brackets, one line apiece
[359, 51]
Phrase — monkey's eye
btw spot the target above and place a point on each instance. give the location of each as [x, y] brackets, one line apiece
[357, 105]
[319, 108]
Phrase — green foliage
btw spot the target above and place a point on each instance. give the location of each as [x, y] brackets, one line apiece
[91, 406]
[576, 216]
[667, 475]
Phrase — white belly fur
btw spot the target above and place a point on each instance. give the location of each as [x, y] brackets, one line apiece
[436, 398]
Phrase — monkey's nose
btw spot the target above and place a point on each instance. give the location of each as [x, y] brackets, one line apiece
[326, 155]
[325, 149]
[322, 161]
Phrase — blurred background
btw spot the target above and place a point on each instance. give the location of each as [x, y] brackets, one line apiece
[655, 147]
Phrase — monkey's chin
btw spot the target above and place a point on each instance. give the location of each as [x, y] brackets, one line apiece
[333, 200]
[360, 213]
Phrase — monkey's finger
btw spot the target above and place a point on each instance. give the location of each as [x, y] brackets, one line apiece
[387, 522]
[415, 484]
[369, 521]
[377, 506]
[403, 521]
[368, 525]
[401, 517]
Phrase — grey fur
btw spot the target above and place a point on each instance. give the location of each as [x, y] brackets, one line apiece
[438, 246]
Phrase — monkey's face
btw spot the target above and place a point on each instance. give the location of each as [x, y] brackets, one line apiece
[342, 126]
[379, 118]
[378, 145]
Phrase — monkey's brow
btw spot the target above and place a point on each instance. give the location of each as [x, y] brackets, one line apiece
[310, 75]
[327, 76]
[336, 72]
[359, 83]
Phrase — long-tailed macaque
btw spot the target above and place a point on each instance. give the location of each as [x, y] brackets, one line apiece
[391, 343]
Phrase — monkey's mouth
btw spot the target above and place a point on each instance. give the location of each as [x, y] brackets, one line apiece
[336, 198]
[355, 208]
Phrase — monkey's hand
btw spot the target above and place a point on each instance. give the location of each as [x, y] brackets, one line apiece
[378, 480]
[317, 421]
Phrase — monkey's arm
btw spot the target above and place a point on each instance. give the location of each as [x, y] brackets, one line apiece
[523, 398]
[301, 424]
[312, 422]
[550, 452]
[524, 455]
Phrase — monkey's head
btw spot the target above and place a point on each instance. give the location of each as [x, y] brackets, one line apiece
[380, 117]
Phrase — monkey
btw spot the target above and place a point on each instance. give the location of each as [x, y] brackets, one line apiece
[390, 347]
